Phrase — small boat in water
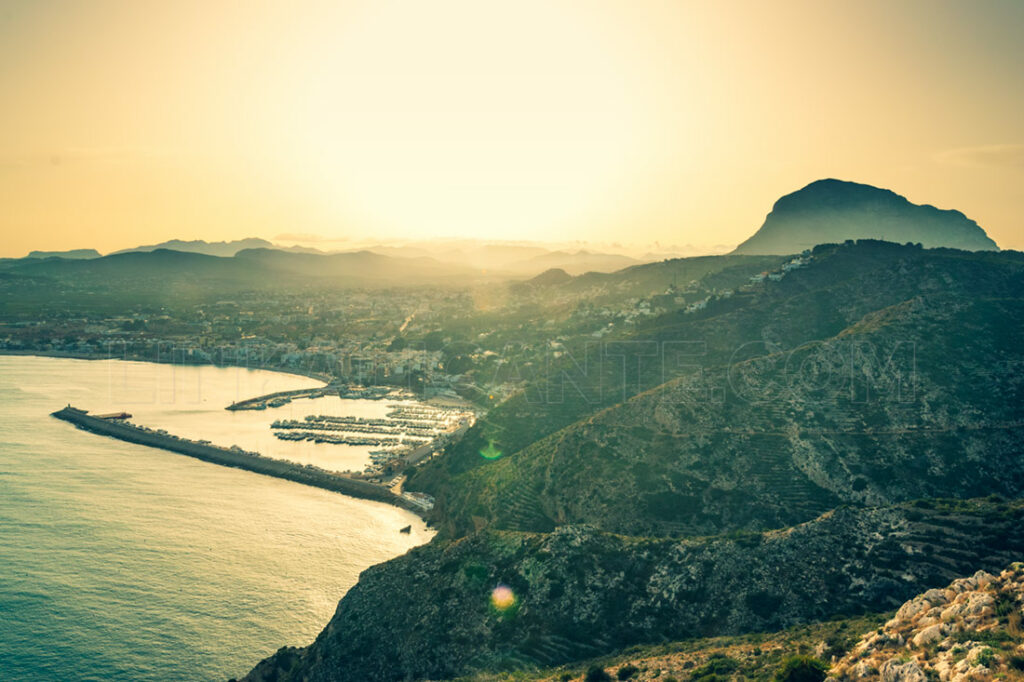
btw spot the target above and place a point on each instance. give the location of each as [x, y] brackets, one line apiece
[406, 530]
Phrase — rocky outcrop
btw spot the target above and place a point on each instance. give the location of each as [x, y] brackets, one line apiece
[502, 600]
[969, 630]
[830, 211]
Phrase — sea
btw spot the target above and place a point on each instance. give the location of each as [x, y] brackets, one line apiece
[123, 562]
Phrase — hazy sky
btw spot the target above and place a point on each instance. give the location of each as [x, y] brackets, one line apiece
[128, 122]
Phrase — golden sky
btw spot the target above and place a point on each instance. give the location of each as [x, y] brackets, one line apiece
[125, 122]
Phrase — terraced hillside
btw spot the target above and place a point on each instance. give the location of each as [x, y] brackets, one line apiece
[579, 592]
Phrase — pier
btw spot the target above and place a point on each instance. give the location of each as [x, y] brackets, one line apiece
[115, 427]
[281, 398]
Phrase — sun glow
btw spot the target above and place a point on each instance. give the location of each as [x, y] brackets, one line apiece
[135, 121]
[502, 120]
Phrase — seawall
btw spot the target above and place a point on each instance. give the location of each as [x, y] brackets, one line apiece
[290, 471]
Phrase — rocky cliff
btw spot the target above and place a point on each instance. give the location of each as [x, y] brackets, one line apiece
[969, 630]
[504, 601]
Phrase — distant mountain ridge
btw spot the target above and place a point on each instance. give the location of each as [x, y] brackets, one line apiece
[518, 260]
[172, 272]
[575, 263]
[225, 249]
[71, 254]
[511, 260]
[833, 211]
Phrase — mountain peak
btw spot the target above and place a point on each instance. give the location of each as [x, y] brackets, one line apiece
[832, 210]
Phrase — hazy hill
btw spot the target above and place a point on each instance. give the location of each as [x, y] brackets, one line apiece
[358, 268]
[832, 211]
[514, 260]
[72, 254]
[574, 263]
[159, 264]
[649, 278]
[165, 274]
[548, 278]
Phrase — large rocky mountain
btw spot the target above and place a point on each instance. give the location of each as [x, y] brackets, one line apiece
[834, 211]
[630, 504]
[874, 374]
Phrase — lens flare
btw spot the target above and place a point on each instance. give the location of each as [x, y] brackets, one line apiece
[490, 452]
[503, 598]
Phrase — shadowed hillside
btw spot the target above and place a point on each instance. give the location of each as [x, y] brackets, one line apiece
[831, 385]
[579, 593]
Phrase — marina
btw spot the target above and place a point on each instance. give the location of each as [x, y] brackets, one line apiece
[406, 435]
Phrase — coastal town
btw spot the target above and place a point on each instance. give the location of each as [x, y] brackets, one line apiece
[479, 345]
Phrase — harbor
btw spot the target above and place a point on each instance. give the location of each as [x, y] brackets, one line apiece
[117, 426]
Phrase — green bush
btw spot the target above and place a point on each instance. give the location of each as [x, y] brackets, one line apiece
[597, 674]
[718, 666]
[627, 671]
[802, 669]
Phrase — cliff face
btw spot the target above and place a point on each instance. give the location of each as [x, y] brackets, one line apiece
[967, 630]
[577, 592]
[829, 211]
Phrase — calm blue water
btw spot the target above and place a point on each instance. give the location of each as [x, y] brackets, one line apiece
[120, 562]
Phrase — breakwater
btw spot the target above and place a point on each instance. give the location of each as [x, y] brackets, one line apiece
[280, 398]
[234, 457]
